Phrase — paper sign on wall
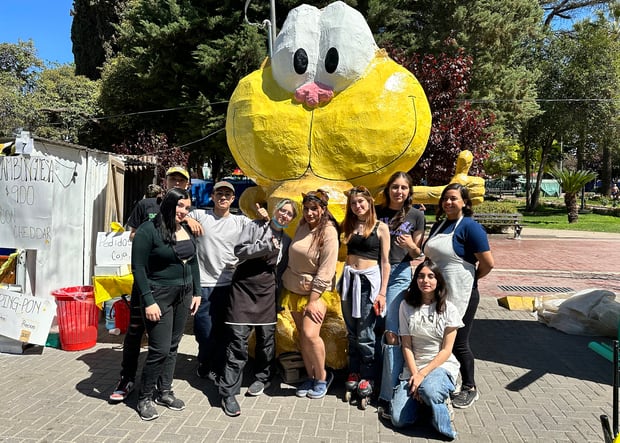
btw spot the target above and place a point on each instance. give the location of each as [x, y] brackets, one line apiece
[113, 248]
[26, 184]
[26, 318]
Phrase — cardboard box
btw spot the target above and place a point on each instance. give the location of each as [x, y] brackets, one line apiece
[114, 270]
[291, 366]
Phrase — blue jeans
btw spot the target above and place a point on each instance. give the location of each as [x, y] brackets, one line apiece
[361, 333]
[434, 391]
[209, 329]
[400, 279]
[392, 361]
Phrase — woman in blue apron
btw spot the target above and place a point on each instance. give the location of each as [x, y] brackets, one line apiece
[460, 247]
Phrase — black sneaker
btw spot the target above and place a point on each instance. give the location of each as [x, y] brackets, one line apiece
[257, 388]
[146, 410]
[465, 398]
[230, 406]
[122, 390]
[167, 399]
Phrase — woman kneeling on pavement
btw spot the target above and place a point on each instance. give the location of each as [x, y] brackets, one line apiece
[262, 251]
[165, 269]
[427, 329]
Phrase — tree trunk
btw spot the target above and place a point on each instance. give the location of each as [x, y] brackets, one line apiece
[570, 200]
[528, 167]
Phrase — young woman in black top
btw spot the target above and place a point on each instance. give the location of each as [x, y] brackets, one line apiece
[166, 278]
[363, 286]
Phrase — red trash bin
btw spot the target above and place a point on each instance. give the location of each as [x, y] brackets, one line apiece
[78, 317]
[121, 312]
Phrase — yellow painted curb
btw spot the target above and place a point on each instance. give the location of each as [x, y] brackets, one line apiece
[517, 303]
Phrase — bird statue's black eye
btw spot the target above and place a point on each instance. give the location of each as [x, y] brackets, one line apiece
[300, 61]
[331, 60]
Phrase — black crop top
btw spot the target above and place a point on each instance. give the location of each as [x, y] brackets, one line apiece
[369, 248]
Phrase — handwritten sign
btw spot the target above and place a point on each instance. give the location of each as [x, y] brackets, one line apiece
[26, 318]
[26, 185]
[113, 248]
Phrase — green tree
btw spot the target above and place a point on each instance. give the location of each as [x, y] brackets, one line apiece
[178, 63]
[93, 33]
[572, 182]
[65, 103]
[19, 68]
[498, 35]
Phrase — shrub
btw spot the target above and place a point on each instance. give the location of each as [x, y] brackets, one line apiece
[500, 207]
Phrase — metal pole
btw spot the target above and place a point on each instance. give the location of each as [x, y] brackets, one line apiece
[273, 22]
[615, 393]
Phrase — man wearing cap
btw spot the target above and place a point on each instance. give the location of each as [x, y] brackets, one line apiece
[145, 209]
[217, 262]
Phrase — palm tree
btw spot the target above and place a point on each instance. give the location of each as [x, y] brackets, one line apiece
[572, 181]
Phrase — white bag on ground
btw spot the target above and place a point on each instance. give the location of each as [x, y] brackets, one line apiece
[587, 312]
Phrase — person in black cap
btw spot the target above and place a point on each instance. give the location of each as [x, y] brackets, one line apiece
[217, 262]
[146, 209]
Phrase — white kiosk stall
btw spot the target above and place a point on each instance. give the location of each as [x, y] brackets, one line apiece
[54, 198]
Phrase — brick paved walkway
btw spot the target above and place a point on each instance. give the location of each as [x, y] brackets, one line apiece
[536, 384]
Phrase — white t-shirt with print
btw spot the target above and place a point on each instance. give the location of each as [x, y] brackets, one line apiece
[426, 328]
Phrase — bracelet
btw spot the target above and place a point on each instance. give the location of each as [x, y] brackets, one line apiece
[380, 295]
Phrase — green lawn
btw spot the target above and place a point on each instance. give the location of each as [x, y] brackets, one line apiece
[555, 218]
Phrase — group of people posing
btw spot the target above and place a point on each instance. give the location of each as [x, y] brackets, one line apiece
[408, 331]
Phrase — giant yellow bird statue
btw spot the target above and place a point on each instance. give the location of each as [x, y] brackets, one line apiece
[328, 110]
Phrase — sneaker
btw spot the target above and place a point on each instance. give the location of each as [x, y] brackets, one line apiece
[123, 389]
[304, 388]
[146, 410]
[465, 398]
[257, 388]
[167, 399]
[352, 381]
[230, 406]
[320, 387]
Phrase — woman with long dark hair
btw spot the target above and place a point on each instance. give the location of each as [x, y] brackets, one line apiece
[166, 278]
[362, 289]
[313, 254]
[460, 247]
[406, 225]
[427, 326]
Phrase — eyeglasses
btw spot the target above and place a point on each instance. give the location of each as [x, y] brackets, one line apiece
[283, 211]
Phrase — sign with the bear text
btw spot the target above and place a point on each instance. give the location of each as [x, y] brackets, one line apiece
[26, 185]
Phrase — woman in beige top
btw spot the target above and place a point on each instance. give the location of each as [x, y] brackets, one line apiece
[313, 254]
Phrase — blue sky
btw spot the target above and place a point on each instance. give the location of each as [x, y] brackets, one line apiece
[46, 22]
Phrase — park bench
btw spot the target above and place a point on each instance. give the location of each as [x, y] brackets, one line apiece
[498, 221]
[500, 191]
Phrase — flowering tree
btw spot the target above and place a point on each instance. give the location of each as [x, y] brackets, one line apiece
[456, 125]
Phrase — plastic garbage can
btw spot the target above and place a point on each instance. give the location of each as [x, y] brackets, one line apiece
[78, 317]
[121, 312]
